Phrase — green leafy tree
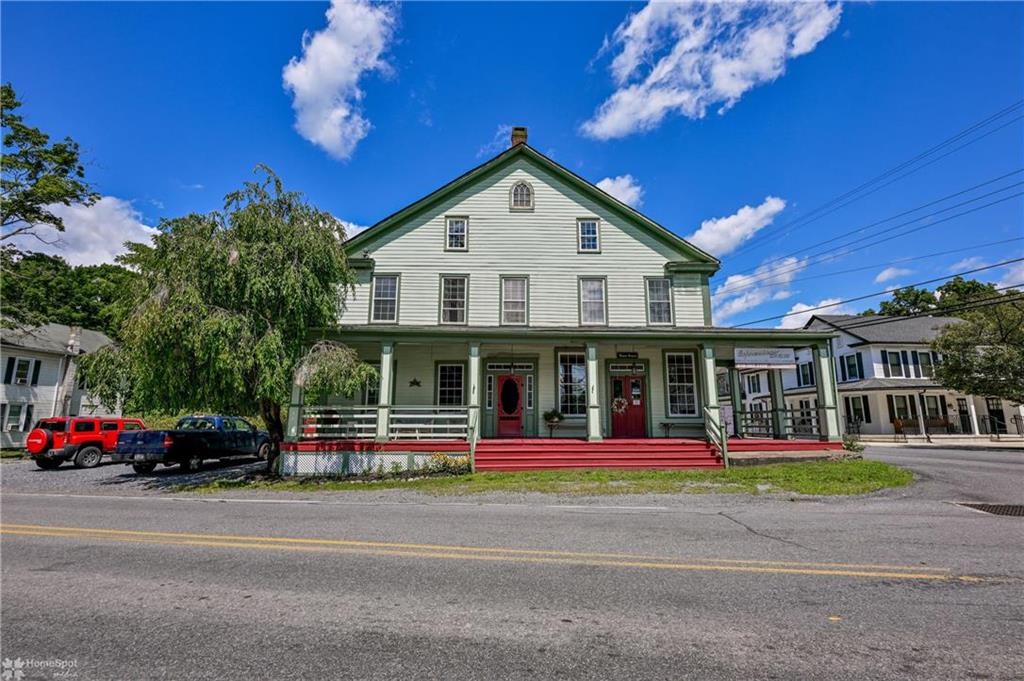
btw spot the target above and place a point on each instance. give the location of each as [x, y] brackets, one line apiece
[909, 301]
[224, 307]
[913, 300]
[36, 174]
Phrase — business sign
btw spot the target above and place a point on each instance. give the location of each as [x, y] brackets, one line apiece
[765, 358]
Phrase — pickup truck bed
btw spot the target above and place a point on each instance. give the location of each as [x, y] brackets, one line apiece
[196, 439]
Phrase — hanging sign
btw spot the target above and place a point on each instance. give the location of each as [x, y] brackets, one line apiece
[765, 358]
[622, 354]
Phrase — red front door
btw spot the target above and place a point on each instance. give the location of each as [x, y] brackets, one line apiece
[510, 406]
[629, 408]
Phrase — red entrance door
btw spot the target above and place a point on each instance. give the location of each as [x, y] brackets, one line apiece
[510, 406]
[629, 408]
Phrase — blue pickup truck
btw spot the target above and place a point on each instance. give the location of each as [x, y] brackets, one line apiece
[193, 440]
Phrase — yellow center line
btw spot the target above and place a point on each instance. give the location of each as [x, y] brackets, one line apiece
[458, 553]
[474, 549]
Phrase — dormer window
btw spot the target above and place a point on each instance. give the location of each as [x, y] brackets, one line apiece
[521, 197]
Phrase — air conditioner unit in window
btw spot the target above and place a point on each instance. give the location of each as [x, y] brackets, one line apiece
[21, 381]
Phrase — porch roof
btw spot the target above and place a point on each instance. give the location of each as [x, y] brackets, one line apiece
[505, 334]
[914, 384]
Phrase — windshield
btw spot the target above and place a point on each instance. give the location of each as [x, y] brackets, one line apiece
[52, 426]
[196, 423]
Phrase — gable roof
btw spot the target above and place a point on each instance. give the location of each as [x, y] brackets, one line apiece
[502, 160]
[894, 330]
[53, 338]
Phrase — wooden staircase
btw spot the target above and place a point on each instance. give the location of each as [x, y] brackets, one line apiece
[543, 454]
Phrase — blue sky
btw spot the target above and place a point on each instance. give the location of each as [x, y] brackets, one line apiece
[174, 104]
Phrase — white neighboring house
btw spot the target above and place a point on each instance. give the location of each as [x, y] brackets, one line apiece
[40, 377]
[885, 377]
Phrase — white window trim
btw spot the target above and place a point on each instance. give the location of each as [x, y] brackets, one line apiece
[22, 427]
[579, 235]
[696, 393]
[511, 192]
[465, 300]
[526, 299]
[437, 382]
[373, 297]
[448, 219]
[604, 300]
[648, 301]
[558, 383]
[32, 362]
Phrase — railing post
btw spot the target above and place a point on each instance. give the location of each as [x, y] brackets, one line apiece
[736, 397]
[779, 425]
[593, 405]
[384, 391]
[709, 385]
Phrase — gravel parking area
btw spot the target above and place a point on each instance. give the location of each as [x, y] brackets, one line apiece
[22, 475]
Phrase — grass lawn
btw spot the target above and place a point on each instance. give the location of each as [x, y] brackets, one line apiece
[820, 477]
[12, 453]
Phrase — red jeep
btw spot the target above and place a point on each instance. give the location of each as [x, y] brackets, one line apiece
[82, 439]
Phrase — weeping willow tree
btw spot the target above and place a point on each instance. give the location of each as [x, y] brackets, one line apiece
[223, 309]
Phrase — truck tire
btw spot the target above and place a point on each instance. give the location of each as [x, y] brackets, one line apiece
[192, 464]
[48, 464]
[143, 468]
[88, 457]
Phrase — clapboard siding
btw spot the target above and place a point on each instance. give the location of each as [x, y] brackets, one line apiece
[541, 244]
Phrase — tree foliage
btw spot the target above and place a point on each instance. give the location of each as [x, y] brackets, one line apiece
[224, 306]
[36, 174]
[911, 300]
[40, 288]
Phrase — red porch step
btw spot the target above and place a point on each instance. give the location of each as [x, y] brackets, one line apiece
[545, 454]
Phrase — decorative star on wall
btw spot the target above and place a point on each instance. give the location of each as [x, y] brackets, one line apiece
[415, 383]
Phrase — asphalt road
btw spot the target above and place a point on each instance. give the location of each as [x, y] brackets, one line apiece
[141, 584]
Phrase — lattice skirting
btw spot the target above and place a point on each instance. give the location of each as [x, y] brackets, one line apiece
[347, 462]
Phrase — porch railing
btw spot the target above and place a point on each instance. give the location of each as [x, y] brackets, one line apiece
[717, 435]
[321, 422]
[796, 423]
[404, 423]
[755, 424]
[802, 423]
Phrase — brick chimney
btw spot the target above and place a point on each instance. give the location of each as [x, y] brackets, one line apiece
[518, 135]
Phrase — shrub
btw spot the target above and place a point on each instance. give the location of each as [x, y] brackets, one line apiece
[447, 464]
[852, 443]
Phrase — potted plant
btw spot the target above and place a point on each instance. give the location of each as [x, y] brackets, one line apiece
[553, 418]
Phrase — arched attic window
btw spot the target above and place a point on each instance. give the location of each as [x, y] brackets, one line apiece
[521, 196]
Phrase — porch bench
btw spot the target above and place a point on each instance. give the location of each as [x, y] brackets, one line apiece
[667, 426]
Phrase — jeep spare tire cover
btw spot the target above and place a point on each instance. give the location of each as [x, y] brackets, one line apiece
[38, 441]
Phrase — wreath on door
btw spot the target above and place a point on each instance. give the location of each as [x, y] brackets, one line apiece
[619, 405]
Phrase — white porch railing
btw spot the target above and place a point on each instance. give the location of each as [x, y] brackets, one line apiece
[404, 423]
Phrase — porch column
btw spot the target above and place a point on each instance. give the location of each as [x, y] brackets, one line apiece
[736, 397]
[922, 416]
[474, 390]
[593, 406]
[384, 390]
[973, 411]
[779, 423]
[825, 386]
[709, 385]
[291, 431]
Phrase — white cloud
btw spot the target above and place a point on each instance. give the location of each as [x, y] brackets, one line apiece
[742, 292]
[352, 229]
[720, 236]
[500, 142]
[1013, 276]
[970, 263]
[890, 273]
[324, 82]
[676, 57]
[92, 234]
[801, 312]
[625, 188]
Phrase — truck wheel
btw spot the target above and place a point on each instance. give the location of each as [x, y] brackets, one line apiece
[88, 457]
[263, 453]
[48, 464]
[192, 464]
[143, 468]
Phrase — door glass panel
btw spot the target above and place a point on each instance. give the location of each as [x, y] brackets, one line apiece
[617, 388]
[509, 397]
[635, 390]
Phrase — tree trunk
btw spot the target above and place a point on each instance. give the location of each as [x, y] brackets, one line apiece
[271, 413]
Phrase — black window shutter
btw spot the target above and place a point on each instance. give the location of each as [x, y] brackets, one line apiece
[849, 414]
[9, 372]
[917, 364]
[811, 373]
[28, 417]
[885, 367]
[906, 363]
[912, 399]
[935, 358]
[867, 409]
[860, 365]
[892, 407]
[842, 367]
[942, 407]
[35, 372]
[3, 415]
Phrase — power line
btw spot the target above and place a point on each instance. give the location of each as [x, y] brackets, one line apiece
[766, 281]
[960, 307]
[817, 213]
[881, 293]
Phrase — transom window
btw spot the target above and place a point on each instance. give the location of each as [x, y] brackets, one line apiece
[456, 234]
[522, 196]
[385, 298]
[453, 300]
[513, 300]
[572, 383]
[680, 380]
[592, 301]
[659, 301]
[449, 384]
[589, 235]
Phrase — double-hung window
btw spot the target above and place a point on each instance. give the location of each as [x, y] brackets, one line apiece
[857, 409]
[588, 232]
[681, 383]
[852, 368]
[924, 359]
[450, 381]
[754, 384]
[805, 374]
[514, 294]
[385, 298]
[456, 234]
[572, 384]
[454, 295]
[894, 363]
[659, 300]
[592, 301]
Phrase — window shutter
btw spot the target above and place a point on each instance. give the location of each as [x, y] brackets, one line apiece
[842, 367]
[892, 407]
[811, 373]
[35, 371]
[917, 364]
[849, 413]
[906, 363]
[28, 417]
[867, 409]
[912, 399]
[860, 365]
[3, 415]
[885, 369]
[9, 371]
[935, 358]
[942, 407]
